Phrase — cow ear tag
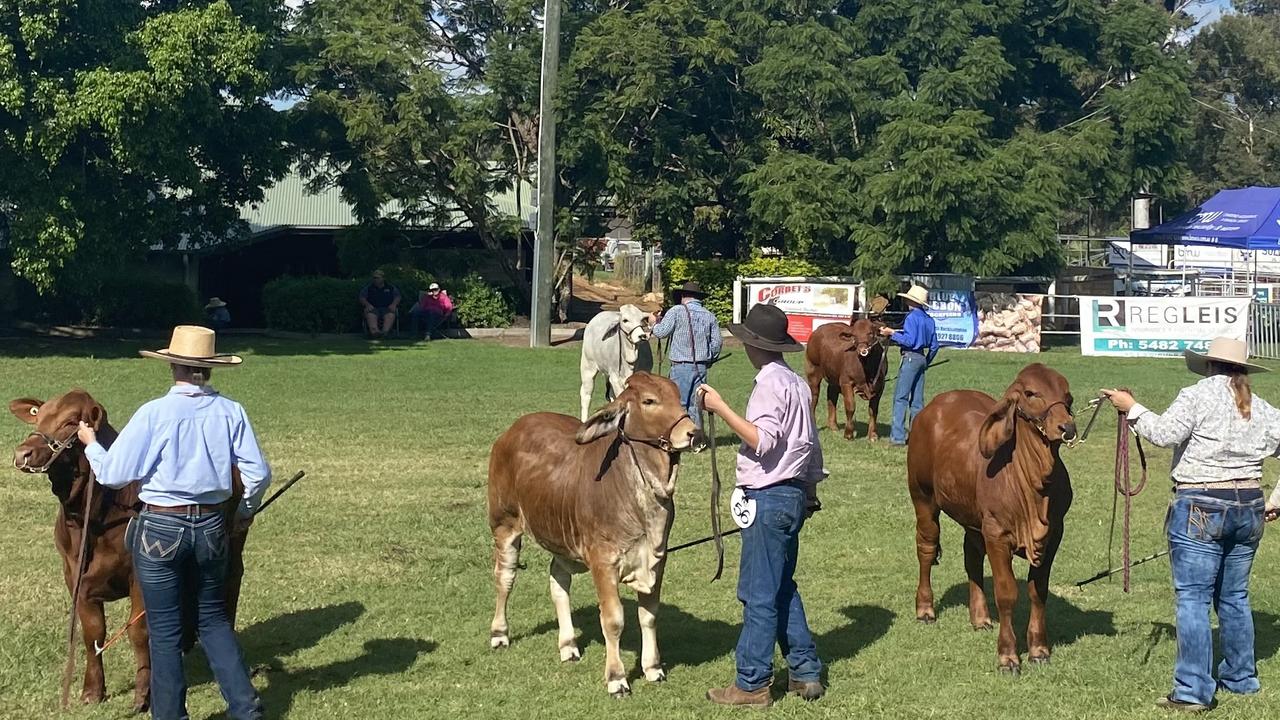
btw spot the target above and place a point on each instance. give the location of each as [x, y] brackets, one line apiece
[743, 509]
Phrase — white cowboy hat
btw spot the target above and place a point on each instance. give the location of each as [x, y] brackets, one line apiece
[1222, 350]
[215, 302]
[917, 295]
[192, 345]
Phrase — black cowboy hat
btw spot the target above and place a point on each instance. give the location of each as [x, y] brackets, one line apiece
[766, 328]
[691, 288]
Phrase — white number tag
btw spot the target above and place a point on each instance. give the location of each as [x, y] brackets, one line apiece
[743, 509]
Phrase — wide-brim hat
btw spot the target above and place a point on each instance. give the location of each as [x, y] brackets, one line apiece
[917, 295]
[690, 289]
[1222, 350]
[192, 345]
[765, 327]
[878, 305]
[215, 302]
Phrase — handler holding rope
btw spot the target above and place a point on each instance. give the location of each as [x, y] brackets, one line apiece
[182, 447]
[779, 465]
[1221, 432]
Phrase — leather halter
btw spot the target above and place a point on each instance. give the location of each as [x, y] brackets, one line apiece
[55, 447]
[662, 442]
[1037, 421]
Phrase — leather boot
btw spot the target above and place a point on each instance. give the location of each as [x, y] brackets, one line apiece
[807, 690]
[737, 697]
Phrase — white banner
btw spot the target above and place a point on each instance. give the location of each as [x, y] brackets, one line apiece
[1158, 326]
[808, 305]
[1220, 258]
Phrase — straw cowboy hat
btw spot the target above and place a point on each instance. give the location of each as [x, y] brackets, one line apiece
[215, 302]
[766, 328]
[1222, 350]
[192, 345]
[917, 295]
[690, 289]
[878, 305]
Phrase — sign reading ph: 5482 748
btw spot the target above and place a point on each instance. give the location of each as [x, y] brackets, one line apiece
[1158, 326]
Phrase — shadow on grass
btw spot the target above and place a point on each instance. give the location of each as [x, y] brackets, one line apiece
[1266, 637]
[686, 640]
[1066, 622]
[859, 429]
[267, 643]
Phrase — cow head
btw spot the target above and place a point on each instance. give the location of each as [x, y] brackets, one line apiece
[55, 423]
[633, 323]
[862, 337]
[648, 411]
[1039, 395]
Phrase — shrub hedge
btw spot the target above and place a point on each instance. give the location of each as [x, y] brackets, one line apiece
[716, 276]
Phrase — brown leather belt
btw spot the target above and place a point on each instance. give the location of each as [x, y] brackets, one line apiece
[1242, 484]
[184, 509]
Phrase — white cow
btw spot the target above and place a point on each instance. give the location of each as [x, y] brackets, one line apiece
[615, 343]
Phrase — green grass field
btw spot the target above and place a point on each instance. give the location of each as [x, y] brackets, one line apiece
[368, 591]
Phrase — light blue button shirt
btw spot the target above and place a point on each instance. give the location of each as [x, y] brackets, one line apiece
[182, 446]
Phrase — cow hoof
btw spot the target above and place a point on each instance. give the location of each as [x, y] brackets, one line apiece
[655, 675]
[499, 642]
[1040, 660]
[873, 438]
[93, 698]
[141, 708]
[1011, 669]
[928, 619]
[984, 625]
[619, 688]
[570, 654]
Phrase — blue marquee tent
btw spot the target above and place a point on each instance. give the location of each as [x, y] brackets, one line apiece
[1243, 219]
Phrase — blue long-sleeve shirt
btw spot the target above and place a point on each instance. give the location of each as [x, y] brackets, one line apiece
[182, 447]
[706, 333]
[918, 334]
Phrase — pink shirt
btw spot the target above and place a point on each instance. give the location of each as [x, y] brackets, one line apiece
[780, 408]
[441, 303]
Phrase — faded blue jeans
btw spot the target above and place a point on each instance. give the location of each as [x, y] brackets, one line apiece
[687, 377]
[1213, 535]
[171, 552]
[772, 611]
[908, 394]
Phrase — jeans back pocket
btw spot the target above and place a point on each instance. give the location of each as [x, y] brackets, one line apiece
[1205, 522]
[158, 542]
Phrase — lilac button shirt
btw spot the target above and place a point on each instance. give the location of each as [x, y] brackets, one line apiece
[780, 408]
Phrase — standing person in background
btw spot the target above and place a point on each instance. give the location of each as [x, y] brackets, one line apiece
[182, 447]
[217, 315]
[380, 301]
[1220, 432]
[918, 339]
[694, 342]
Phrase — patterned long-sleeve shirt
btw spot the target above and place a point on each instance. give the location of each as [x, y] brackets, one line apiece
[706, 340]
[1211, 441]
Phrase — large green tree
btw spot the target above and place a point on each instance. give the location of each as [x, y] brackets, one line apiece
[1236, 84]
[127, 124]
[890, 134]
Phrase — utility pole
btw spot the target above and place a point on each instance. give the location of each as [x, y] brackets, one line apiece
[544, 246]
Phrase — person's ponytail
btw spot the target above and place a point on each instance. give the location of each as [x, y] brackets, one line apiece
[1243, 392]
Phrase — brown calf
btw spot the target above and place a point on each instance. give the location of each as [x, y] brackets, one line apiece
[52, 449]
[598, 496]
[852, 360]
[993, 467]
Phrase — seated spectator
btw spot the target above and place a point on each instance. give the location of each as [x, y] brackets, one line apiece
[380, 301]
[432, 311]
[216, 314]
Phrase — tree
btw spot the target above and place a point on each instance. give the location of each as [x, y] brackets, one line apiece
[892, 135]
[124, 125]
[1236, 84]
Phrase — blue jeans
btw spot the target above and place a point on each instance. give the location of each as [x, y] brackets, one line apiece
[170, 553]
[908, 392]
[1212, 541]
[771, 607]
[687, 377]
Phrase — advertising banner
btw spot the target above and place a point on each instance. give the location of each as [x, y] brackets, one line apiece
[955, 315]
[1009, 322]
[808, 305]
[1158, 326]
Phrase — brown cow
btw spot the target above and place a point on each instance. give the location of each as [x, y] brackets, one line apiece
[52, 449]
[993, 466]
[851, 359]
[598, 496]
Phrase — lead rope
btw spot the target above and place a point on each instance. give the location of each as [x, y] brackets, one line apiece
[70, 668]
[1124, 487]
[710, 419]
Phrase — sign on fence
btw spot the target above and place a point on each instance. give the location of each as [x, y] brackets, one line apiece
[1009, 322]
[1158, 326]
[955, 317]
[808, 305]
